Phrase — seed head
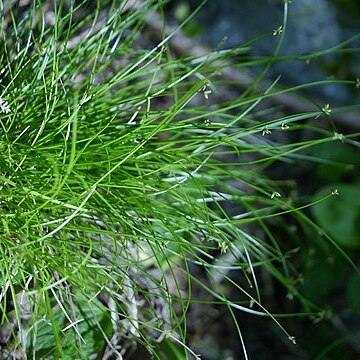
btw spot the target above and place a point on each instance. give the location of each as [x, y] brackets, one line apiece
[338, 136]
[278, 31]
[284, 126]
[275, 194]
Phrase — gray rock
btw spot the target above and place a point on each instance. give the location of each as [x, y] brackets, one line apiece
[312, 25]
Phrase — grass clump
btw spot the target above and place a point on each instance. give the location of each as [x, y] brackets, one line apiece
[120, 175]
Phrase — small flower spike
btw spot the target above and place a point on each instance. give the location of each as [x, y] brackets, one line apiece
[275, 194]
[326, 110]
[223, 247]
[338, 136]
[206, 89]
[278, 31]
[284, 126]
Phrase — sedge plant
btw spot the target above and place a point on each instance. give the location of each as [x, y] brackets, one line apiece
[122, 168]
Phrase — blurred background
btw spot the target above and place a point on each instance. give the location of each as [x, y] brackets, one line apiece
[312, 26]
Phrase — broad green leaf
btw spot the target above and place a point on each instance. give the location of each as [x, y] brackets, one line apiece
[339, 215]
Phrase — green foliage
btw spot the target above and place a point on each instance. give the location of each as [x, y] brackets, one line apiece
[123, 168]
[338, 161]
[340, 215]
[168, 350]
[353, 294]
[78, 340]
[322, 277]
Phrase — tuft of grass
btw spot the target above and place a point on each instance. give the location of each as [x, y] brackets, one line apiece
[122, 169]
